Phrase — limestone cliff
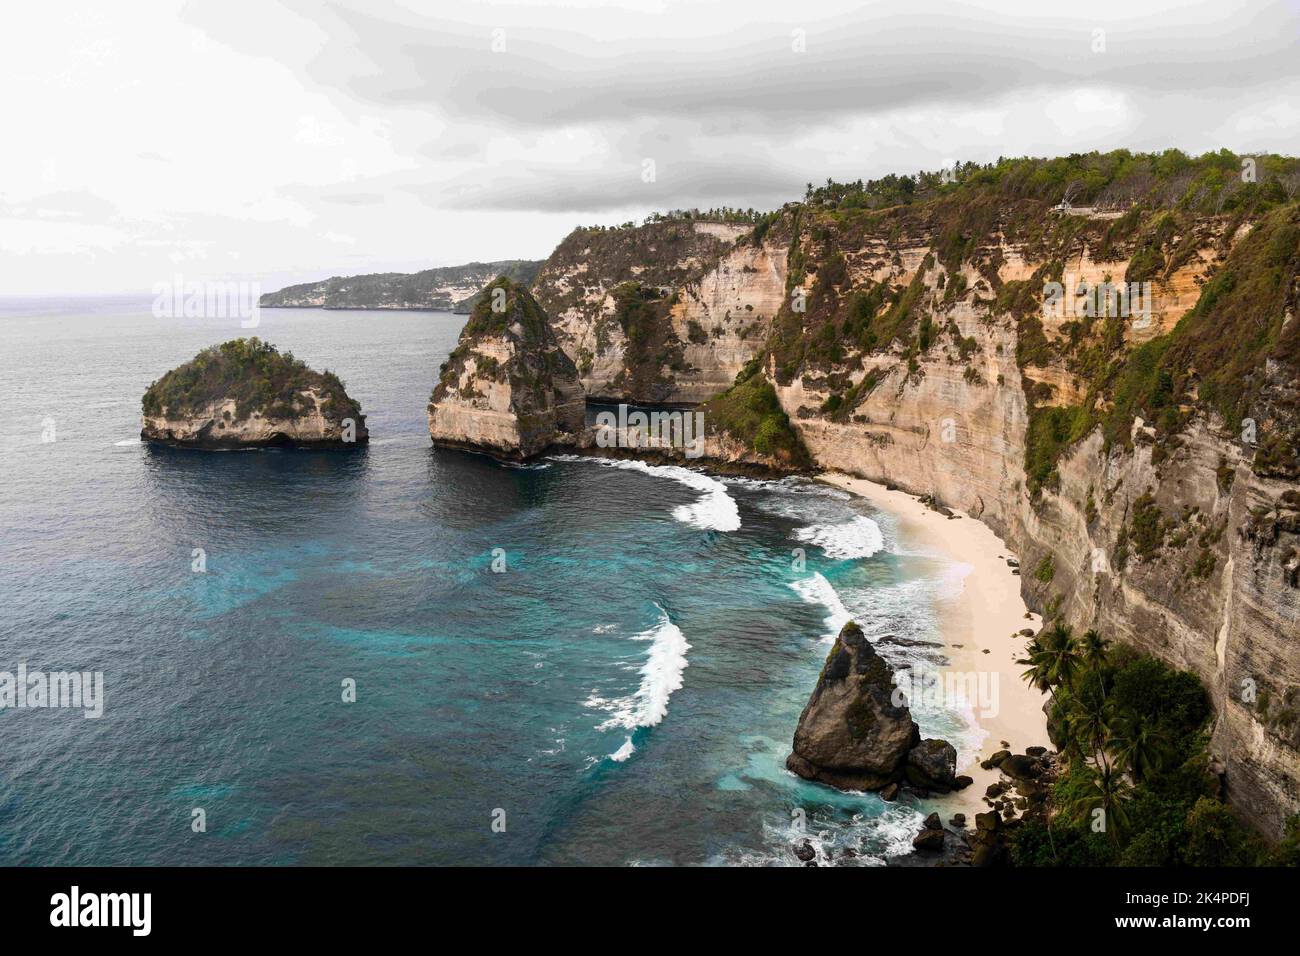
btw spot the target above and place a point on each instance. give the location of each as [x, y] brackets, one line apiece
[666, 312]
[507, 388]
[243, 394]
[1100, 447]
[966, 340]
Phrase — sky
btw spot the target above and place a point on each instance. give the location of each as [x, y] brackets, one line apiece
[284, 141]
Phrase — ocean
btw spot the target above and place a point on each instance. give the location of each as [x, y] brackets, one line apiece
[574, 661]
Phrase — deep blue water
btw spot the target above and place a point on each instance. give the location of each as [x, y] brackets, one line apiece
[626, 690]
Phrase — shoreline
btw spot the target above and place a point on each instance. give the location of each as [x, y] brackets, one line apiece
[984, 616]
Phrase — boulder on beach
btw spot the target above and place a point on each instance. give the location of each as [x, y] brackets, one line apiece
[932, 764]
[1020, 766]
[857, 733]
[853, 734]
[928, 841]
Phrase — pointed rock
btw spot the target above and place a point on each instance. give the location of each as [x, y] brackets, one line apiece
[853, 734]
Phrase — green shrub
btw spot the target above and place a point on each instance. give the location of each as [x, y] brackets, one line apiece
[1215, 838]
[750, 413]
[253, 373]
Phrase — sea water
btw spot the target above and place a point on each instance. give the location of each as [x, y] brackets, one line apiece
[572, 661]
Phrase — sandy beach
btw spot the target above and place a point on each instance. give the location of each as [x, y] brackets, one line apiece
[981, 624]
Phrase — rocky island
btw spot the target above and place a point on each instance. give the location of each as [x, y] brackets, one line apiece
[246, 394]
[507, 388]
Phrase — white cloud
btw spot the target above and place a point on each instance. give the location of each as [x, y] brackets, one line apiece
[294, 140]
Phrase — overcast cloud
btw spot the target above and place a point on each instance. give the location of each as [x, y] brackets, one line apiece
[294, 140]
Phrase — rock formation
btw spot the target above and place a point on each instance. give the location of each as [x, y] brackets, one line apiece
[1148, 532]
[507, 388]
[666, 312]
[857, 733]
[245, 394]
[1144, 466]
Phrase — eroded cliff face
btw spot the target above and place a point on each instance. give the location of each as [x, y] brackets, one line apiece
[667, 312]
[507, 388]
[217, 425]
[921, 348]
[1168, 542]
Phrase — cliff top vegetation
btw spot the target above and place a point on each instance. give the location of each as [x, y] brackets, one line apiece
[253, 373]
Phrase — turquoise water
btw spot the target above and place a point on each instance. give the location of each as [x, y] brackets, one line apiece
[625, 690]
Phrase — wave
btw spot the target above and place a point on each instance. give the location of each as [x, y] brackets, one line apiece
[858, 538]
[661, 675]
[817, 590]
[874, 839]
[715, 510]
[623, 752]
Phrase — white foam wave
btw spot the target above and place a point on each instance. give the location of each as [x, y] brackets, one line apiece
[661, 675]
[872, 838]
[952, 581]
[858, 538]
[892, 832]
[817, 590]
[129, 441]
[623, 752]
[715, 510]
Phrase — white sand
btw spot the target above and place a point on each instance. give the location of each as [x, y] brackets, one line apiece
[983, 617]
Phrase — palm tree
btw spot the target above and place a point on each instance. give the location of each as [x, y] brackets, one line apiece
[1139, 746]
[1105, 788]
[1091, 717]
[1052, 659]
[1039, 664]
[1092, 649]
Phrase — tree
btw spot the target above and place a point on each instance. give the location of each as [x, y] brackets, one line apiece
[1139, 746]
[1052, 659]
[1092, 650]
[1287, 852]
[1106, 789]
[1091, 717]
[1214, 838]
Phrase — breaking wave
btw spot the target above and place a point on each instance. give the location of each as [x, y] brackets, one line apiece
[715, 510]
[817, 590]
[858, 538]
[661, 675]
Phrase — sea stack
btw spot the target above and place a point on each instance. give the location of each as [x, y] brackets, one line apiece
[246, 394]
[856, 733]
[507, 388]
